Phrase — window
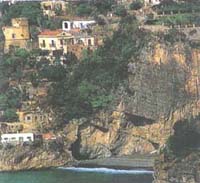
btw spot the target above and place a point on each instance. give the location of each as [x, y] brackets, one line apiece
[72, 25]
[81, 25]
[43, 43]
[89, 42]
[5, 138]
[52, 43]
[61, 42]
[29, 138]
[28, 118]
[13, 36]
[66, 25]
[13, 138]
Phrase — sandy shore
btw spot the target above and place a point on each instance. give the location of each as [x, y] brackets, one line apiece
[133, 162]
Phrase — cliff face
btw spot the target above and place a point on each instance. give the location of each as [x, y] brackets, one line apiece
[179, 169]
[162, 89]
[163, 81]
[185, 170]
[30, 157]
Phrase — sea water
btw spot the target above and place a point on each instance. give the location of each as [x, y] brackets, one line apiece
[78, 175]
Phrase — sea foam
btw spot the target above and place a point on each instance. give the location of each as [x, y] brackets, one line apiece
[106, 170]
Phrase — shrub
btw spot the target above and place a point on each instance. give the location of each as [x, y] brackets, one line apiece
[10, 115]
[120, 11]
[83, 10]
[136, 5]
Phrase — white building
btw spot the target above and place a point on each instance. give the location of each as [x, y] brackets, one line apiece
[82, 24]
[152, 2]
[17, 138]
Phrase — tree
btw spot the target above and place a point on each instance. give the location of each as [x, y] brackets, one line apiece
[31, 10]
[10, 115]
[103, 6]
[83, 10]
[120, 11]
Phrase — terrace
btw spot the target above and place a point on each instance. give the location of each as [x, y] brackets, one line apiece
[176, 14]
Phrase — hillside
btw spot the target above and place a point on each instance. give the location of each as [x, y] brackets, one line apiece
[127, 97]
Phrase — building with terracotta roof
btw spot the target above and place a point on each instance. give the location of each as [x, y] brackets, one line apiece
[68, 41]
[52, 40]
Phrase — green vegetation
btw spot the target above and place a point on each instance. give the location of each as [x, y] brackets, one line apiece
[83, 10]
[181, 7]
[30, 10]
[174, 35]
[177, 19]
[185, 138]
[120, 11]
[9, 102]
[13, 66]
[177, 13]
[103, 6]
[92, 8]
[136, 5]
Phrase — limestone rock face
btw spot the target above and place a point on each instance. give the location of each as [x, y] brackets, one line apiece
[26, 158]
[185, 170]
[180, 168]
[163, 88]
[164, 79]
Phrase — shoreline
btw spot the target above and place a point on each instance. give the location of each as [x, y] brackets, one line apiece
[126, 163]
[141, 162]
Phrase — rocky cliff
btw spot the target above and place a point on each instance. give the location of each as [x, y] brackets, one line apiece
[182, 168]
[163, 88]
[33, 157]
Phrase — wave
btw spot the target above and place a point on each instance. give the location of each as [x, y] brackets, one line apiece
[106, 170]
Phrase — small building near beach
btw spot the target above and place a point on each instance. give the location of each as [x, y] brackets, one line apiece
[17, 138]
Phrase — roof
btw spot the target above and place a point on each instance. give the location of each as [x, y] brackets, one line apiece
[16, 134]
[75, 30]
[48, 32]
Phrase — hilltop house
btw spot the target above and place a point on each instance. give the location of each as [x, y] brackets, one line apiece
[16, 35]
[16, 138]
[67, 41]
[52, 40]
